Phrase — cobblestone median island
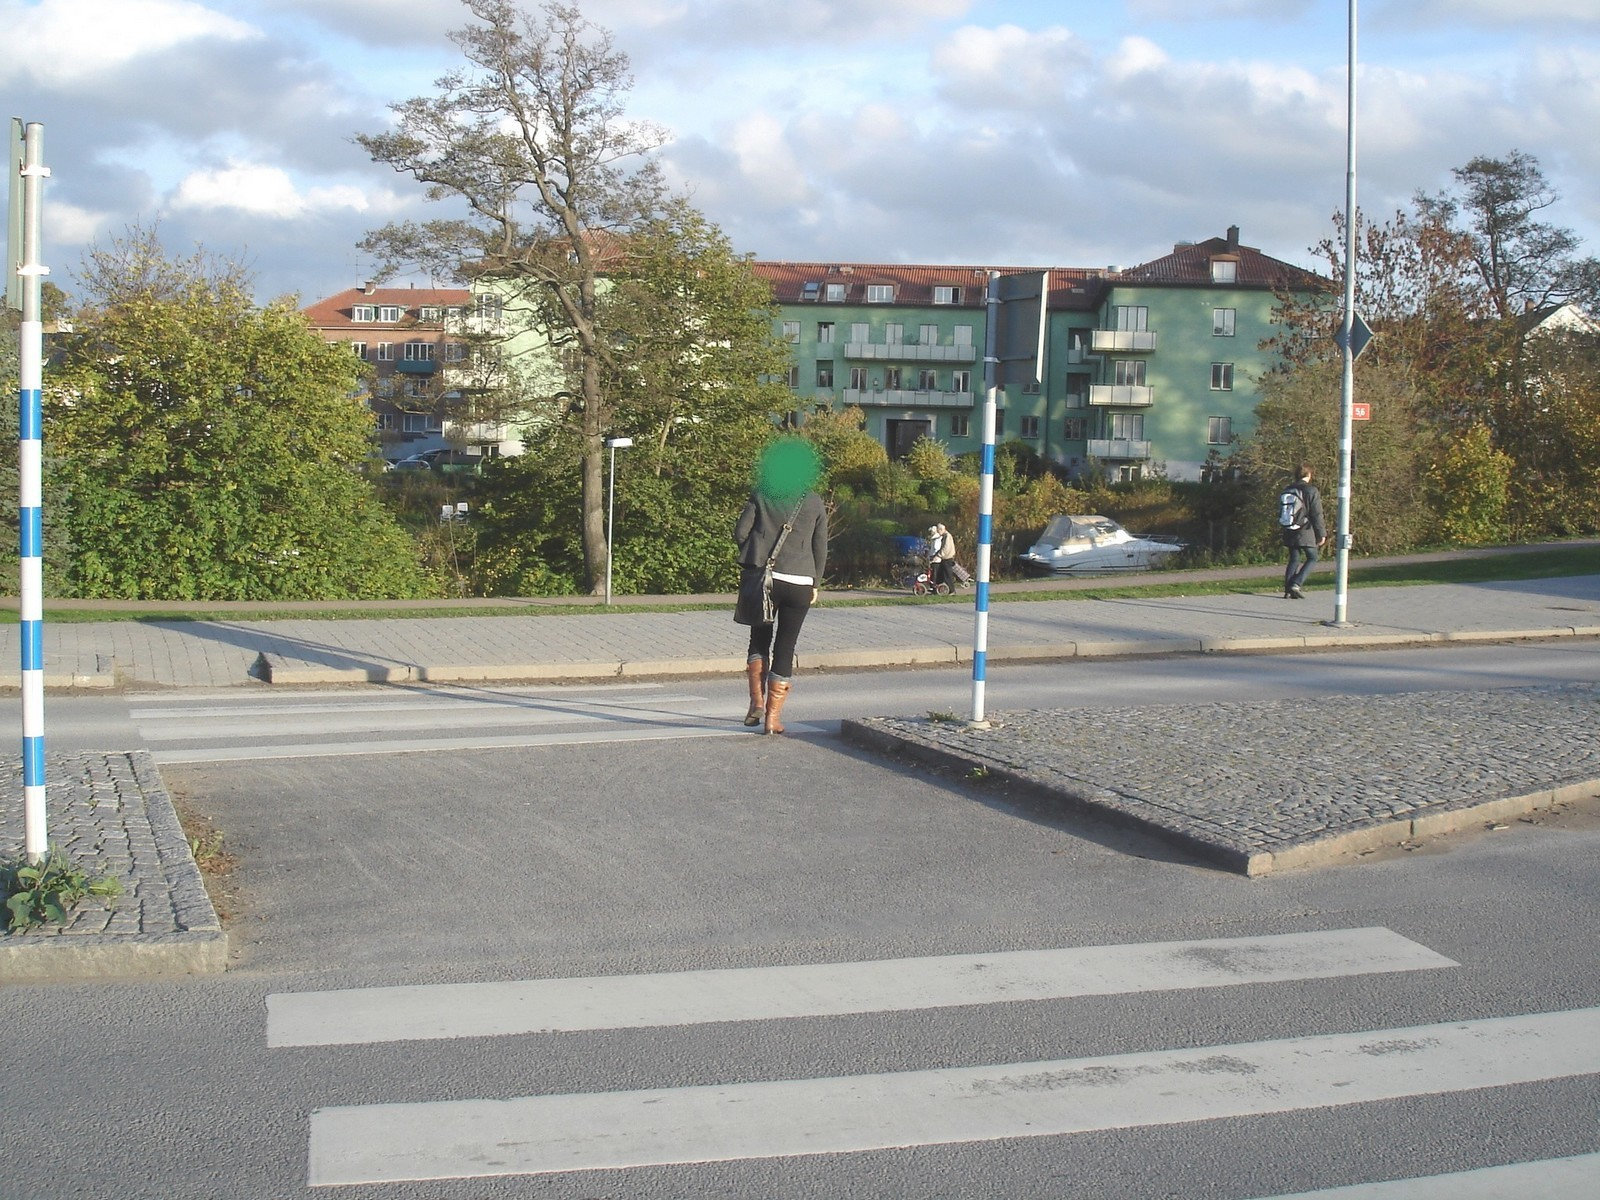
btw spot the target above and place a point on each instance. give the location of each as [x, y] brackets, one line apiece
[111, 815]
[1263, 786]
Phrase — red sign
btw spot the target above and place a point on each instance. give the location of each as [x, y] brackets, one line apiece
[1361, 412]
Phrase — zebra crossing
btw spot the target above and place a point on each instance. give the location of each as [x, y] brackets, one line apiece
[240, 726]
[546, 1134]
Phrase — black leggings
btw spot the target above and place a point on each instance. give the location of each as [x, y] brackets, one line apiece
[793, 601]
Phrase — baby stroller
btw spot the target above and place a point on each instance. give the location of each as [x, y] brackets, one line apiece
[911, 568]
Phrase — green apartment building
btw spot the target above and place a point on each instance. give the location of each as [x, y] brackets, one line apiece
[1148, 369]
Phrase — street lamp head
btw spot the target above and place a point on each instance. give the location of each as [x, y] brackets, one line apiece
[619, 443]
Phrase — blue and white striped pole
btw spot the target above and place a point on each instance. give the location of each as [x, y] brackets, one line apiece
[31, 497]
[980, 633]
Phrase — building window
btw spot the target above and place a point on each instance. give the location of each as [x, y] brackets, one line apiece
[1077, 391]
[385, 422]
[419, 351]
[1219, 431]
[811, 290]
[1222, 322]
[363, 313]
[947, 295]
[455, 352]
[860, 333]
[893, 335]
[858, 378]
[359, 349]
[959, 424]
[793, 378]
[928, 335]
[891, 378]
[791, 332]
[1076, 428]
[431, 313]
[927, 381]
[1129, 372]
[960, 381]
[1030, 427]
[1134, 317]
[1222, 377]
[835, 292]
[825, 374]
[389, 312]
[385, 351]
[1224, 270]
[999, 423]
[824, 332]
[880, 293]
[963, 335]
[490, 309]
[1127, 426]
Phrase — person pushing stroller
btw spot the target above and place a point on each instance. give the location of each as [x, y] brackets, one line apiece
[942, 567]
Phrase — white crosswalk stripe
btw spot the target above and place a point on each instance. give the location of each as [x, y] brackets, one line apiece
[538, 1134]
[1576, 1178]
[381, 1143]
[235, 727]
[773, 993]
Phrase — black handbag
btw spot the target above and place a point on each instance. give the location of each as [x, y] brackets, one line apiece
[754, 605]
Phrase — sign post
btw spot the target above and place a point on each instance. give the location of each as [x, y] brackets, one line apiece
[28, 174]
[1013, 332]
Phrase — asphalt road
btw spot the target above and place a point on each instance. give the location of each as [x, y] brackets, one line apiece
[638, 854]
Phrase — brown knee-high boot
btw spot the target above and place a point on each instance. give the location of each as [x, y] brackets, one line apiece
[756, 671]
[777, 693]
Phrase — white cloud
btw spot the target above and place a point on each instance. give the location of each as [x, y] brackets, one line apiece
[270, 192]
[70, 225]
[1008, 64]
[766, 161]
[63, 42]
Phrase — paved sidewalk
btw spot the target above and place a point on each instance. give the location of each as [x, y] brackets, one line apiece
[555, 645]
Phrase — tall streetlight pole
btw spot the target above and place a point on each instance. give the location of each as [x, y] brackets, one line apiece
[612, 444]
[1347, 344]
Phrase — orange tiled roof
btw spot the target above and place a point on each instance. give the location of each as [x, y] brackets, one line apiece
[1189, 265]
[914, 282]
[334, 311]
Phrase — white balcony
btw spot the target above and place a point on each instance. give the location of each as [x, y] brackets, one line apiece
[910, 352]
[1121, 395]
[906, 398]
[1118, 448]
[1123, 341]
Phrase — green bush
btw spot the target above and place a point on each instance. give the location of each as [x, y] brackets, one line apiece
[47, 890]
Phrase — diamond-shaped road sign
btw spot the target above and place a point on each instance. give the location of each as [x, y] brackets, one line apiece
[1360, 335]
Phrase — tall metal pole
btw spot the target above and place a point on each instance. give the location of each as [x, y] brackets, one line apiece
[1341, 587]
[612, 444]
[30, 496]
[611, 516]
[980, 633]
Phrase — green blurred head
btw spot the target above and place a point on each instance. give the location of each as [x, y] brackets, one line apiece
[788, 469]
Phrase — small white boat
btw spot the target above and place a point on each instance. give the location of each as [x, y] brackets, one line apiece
[1087, 545]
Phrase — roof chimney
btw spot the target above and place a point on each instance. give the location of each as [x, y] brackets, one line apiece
[366, 287]
[1233, 237]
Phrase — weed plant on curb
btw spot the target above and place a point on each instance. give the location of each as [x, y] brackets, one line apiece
[47, 890]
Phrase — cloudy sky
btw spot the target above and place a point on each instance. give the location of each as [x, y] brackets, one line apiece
[993, 132]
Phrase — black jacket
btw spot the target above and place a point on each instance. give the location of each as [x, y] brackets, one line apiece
[1313, 531]
[805, 550]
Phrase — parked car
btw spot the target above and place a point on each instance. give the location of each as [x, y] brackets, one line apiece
[414, 462]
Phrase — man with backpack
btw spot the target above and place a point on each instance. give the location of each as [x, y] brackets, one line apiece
[1300, 517]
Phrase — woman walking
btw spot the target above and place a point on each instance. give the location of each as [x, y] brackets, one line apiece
[783, 537]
